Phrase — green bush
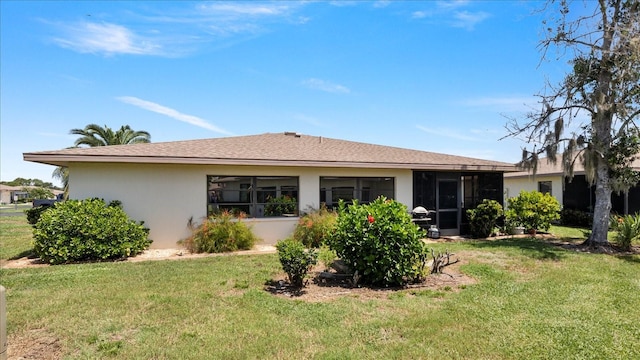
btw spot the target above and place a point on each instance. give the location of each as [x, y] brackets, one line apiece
[379, 241]
[533, 210]
[315, 227]
[277, 206]
[33, 214]
[221, 232]
[79, 230]
[570, 217]
[296, 261]
[326, 256]
[627, 229]
[483, 218]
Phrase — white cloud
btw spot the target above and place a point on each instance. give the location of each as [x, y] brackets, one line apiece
[503, 103]
[323, 85]
[468, 20]
[242, 9]
[452, 4]
[419, 14]
[446, 133]
[106, 38]
[163, 110]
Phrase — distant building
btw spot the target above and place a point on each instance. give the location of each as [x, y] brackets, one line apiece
[576, 193]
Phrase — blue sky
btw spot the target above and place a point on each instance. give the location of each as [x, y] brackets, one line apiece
[428, 75]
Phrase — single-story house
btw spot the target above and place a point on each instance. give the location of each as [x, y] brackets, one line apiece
[574, 194]
[166, 184]
[13, 194]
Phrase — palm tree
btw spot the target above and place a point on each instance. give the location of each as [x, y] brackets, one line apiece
[95, 135]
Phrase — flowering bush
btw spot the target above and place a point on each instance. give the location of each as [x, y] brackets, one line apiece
[380, 241]
[315, 227]
[627, 229]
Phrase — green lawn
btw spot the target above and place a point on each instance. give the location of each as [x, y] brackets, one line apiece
[532, 300]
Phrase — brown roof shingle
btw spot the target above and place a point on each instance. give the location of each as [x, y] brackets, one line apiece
[288, 149]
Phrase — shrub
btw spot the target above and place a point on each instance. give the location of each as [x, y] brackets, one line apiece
[570, 217]
[484, 217]
[33, 214]
[326, 256]
[627, 229]
[277, 206]
[315, 227]
[533, 210]
[78, 230]
[296, 261]
[221, 232]
[379, 241]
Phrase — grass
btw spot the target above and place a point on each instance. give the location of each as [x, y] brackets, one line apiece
[533, 300]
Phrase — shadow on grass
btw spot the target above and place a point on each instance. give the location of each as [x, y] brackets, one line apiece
[630, 258]
[29, 254]
[531, 247]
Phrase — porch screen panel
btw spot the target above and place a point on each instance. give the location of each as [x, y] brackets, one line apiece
[256, 196]
[363, 189]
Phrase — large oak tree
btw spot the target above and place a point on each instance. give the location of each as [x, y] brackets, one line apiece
[592, 115]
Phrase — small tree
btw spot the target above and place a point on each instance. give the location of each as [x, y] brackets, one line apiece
[533, 210]
[296, 261]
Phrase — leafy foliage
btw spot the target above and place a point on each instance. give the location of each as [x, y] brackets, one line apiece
[38, 193]
[627, 229]
[315, 227]
[28, 182]
[220, 232]
[296, 261]
[326, 256]
[379, 241]
[33, 214]
[279, 205]
[590, 117]
[571, 217]
[533, 210]
[484, 217]
[95, 135]
[78, 230]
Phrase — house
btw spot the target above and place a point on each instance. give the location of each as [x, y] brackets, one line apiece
[574, 194]
[166, 184]
[13, 194]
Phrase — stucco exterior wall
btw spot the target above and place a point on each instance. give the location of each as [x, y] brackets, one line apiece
[513, 186]
[166, 196]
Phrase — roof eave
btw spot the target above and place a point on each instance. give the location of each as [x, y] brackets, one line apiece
[65, 160]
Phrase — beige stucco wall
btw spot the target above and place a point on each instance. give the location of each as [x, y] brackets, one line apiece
[166, 196]
[513, 186]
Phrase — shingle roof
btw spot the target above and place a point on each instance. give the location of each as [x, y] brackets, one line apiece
[288, 149]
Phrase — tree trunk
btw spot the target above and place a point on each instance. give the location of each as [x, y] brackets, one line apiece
[602, 207]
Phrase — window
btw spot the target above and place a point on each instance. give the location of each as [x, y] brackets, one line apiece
[544, 187]
[365, 189]
[256, 196]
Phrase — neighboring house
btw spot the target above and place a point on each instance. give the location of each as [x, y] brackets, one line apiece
[166, 184]
[11, 194]
[575, 194]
